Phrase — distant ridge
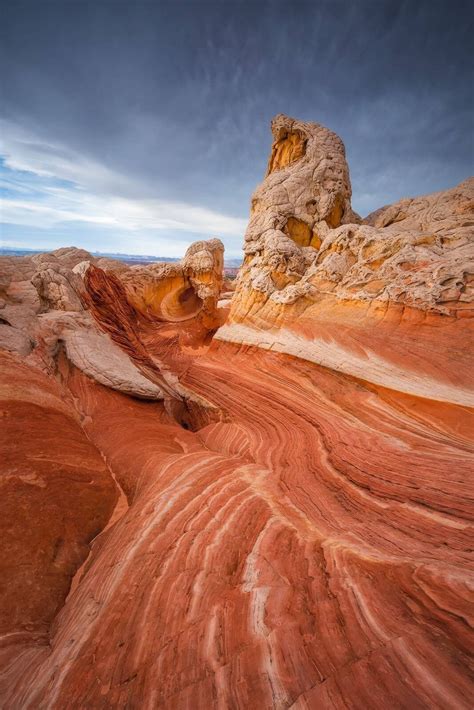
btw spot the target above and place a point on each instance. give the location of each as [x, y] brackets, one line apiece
[129, 258]
[10, 251]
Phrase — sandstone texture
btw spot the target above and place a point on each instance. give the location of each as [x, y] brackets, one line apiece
[45, 307]
[368, 298]
[278, 514]
[180, 291]
[49, 467]
[311, 551]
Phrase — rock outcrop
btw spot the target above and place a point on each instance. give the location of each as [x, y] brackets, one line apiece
[47, 306]
[179, 291]
[368, 299]
[108, 301]
[193, 523]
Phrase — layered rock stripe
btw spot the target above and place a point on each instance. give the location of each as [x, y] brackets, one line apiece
[313, 554]
[274, 515]
[388, 299]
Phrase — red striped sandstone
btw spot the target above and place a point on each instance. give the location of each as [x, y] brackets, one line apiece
[313, 550]
[273, 534]
[56, 495]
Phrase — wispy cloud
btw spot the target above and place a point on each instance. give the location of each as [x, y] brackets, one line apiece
[46, 185]
[153, 120]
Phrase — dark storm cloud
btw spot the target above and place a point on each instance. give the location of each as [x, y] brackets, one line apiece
[177, 97]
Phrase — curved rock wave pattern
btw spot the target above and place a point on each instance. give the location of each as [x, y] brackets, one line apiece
[276, 515]
[313, 550]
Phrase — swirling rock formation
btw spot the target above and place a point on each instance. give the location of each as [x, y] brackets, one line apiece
[176, 292]
[313, 551]
[119, 318]
[44, 304]
[263, 532]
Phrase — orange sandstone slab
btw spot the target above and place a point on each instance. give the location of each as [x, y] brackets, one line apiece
[391, 345]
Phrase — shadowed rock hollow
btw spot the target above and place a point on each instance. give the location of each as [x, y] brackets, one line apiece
[274, 515]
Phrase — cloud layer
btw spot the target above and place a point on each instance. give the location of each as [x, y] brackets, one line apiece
[47, 187]
[146, 124]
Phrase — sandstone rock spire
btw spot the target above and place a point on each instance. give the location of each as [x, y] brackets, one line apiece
[320, 283]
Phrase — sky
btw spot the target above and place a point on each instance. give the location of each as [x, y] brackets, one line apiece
[140, 126]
